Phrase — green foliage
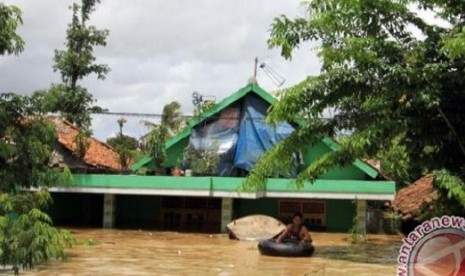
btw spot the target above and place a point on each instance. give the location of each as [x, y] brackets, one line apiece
[450, 199]
[401, 94]
[25, 150]
[203, 162]
[10, 20]
[171, 117]
[171, 123]
[27, 237]
[156, 145]
[127, 141]
[125, 145]
[74, 63]
[74, 104]
[204, 107]
[357, 234]
[395, 162]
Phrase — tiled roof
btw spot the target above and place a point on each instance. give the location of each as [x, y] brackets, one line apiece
[409, 200]
[98, 154]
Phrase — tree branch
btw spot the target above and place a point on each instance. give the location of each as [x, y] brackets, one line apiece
[451, 127]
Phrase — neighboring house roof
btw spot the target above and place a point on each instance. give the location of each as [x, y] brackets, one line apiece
[376, 164]
[410, 200]
[251, 88]
[98, 154]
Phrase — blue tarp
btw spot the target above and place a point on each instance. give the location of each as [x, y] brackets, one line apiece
[239, 134]
[255, 136]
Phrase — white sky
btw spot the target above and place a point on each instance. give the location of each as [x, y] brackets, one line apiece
[158, 51]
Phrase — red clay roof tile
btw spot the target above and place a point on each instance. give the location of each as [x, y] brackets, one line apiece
[409, 200]
[98, 154]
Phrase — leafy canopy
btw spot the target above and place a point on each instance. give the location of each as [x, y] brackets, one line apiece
[395, 79]
[10, 20]
[171, 123]
[27, 236]
[125, 145]
[74, 63]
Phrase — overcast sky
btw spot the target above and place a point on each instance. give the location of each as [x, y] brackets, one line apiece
[158, 51]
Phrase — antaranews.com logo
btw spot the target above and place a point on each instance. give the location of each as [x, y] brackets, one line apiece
[434, 248]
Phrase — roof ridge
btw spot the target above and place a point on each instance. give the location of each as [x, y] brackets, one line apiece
[67, 122]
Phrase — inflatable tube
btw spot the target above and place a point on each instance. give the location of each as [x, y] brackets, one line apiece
[286, 248]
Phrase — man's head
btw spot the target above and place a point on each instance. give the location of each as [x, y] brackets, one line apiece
[297, 218]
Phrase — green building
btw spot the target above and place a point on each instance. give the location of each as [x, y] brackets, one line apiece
[207, 203]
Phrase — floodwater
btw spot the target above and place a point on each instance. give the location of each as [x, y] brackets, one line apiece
[122, 252]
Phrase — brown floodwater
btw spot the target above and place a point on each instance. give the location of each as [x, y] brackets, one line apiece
[122, 252]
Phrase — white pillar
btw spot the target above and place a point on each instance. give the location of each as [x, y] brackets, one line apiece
[361, 216]
[226, 212]
[109, 210]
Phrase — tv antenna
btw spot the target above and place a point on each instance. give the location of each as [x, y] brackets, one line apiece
[198, 99]
[276, 78]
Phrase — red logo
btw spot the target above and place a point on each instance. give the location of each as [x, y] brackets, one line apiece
[434, 248]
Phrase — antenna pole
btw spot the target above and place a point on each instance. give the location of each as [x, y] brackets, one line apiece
[255, 69]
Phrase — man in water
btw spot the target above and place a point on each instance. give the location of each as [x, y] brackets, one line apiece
[295, 231]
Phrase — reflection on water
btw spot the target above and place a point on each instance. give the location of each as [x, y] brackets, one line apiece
[119, 252]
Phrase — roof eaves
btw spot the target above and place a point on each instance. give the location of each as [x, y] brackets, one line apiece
[369, 170]
[141, 162]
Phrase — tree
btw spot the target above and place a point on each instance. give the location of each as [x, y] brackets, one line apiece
[171, 118]
[27, 237]
[10, 19]
[74, 63]
[125, 145]
[171, 123]
[392, 87]
[156, 145]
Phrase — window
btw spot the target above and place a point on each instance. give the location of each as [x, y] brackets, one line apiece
[313, 211]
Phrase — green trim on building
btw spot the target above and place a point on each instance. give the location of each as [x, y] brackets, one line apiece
[141, 182]
[172, 146]
[369, 170]
[219, 107]
[210, 185]
[333, 186]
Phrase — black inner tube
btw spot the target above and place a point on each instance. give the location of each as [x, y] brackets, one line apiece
[286, 248]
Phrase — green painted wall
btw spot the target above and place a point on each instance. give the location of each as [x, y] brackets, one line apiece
[349, 173]
[137, 211]
[339, 215]
[264, 206]
[176, 152]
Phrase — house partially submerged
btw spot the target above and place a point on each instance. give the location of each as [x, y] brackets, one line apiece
[98, 158]
[235, 128]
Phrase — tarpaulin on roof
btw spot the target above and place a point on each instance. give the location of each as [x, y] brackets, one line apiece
[220, 135]
[255, 136]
